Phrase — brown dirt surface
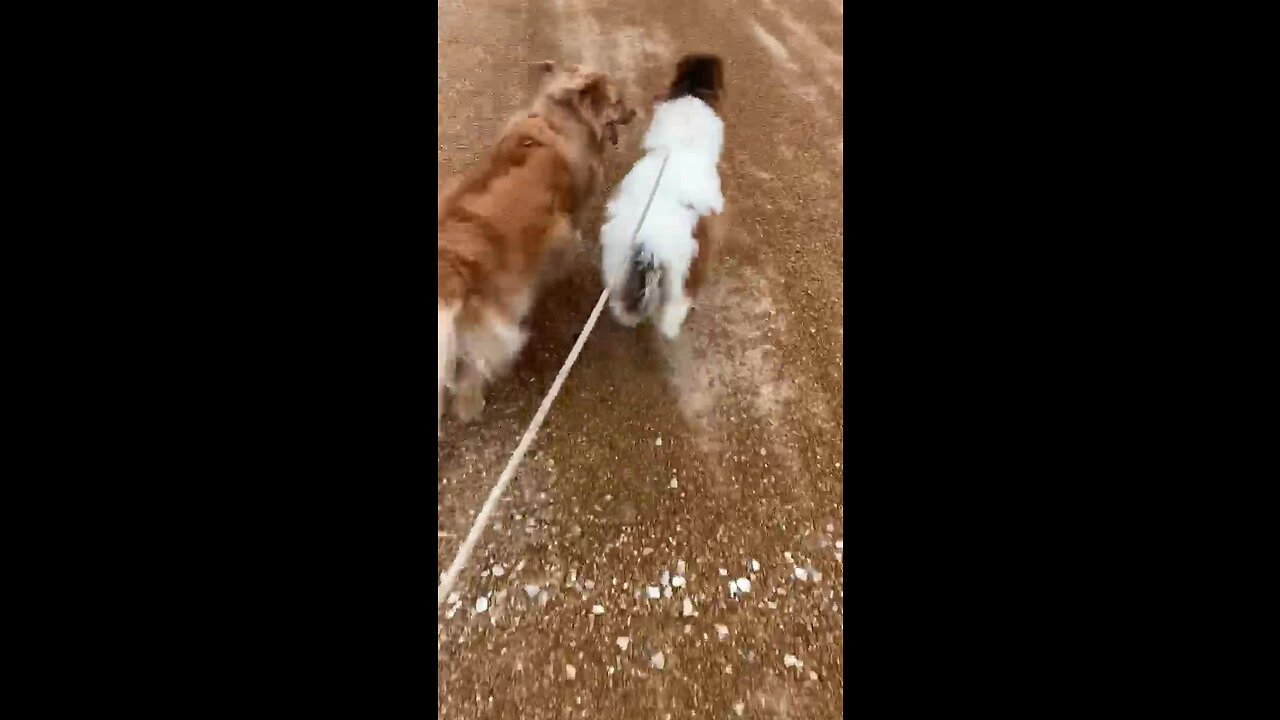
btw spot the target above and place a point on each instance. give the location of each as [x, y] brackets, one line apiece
[747, 402]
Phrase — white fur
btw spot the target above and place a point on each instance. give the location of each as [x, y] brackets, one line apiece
[691, 132]
[446, 317]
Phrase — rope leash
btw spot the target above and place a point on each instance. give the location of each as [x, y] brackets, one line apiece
[450, 576]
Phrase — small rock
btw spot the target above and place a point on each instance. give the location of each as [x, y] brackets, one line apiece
[763, 451]
[499, 571]
[739, 707]
[623, 642]
[531, 590]
[675, 483]
[570, 672]
[688, 608]
[453, 598]
[744, 585]
[722, 631]
[666, 592]
[813, 675]
[680, 567]
[792, 661]
[839, 544]
[666, 578]
[723, 572]
[658, 660]
[831, 528]
[677, 581]
[787, 555]
[543, 597]
[590, 584]
[755, 566]
[597, 609]
[482, 604]
[658, 442]
[653, 592]
[801, 574]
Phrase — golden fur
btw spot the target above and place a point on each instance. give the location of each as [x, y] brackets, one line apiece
[507, 225]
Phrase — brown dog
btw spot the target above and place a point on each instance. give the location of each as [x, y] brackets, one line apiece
[503, 227]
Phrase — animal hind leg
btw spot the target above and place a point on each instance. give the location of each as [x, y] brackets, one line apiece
[488, 348]
[675, 305]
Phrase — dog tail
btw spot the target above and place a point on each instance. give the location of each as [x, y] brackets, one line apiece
[641, 290]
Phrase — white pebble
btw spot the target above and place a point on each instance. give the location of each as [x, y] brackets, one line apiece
[739, 707]
[733, 589]
[677, 581]
[801, 574]
[597, 609]
[744, 585]
[659, 660]
[792, 661]
[787, 555]
[772, 605]
[666, 592]
[831, 528]
[763, 451]
[723, 572]
[482, 604]
[688, 608]
[680, 567]
[653, 592]
[543, 597]
[755, 566]
[722, 631]
[658, 442]
[498, 570]
[666, 578]
[813, 675]
[839, 544]
[674, 483]
[453, 598]
[570, 672]
[623, 642]
[590, 584]
[531, 590]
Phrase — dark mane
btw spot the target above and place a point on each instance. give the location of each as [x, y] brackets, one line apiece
[700, 76]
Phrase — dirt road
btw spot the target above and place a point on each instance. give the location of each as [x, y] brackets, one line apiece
[708, 459]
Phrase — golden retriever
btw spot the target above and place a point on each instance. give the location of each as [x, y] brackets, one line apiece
[505, 226]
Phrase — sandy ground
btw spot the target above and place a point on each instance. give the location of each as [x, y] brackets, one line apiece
[714, 457]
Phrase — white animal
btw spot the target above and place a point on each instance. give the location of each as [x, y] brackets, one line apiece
[647, 277]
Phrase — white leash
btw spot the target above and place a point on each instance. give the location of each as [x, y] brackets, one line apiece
[482, 518]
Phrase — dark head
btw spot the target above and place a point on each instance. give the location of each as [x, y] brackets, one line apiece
[700, 76]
